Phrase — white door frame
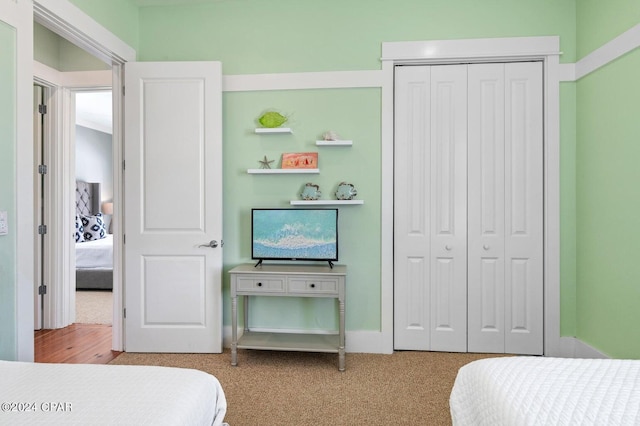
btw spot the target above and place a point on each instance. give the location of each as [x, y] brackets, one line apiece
[545, 49]
[17, 14]
[67, 20]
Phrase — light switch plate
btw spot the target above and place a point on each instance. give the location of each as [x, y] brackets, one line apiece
[4, 223]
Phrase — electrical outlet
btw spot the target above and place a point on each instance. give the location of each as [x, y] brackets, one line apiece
[4, 223]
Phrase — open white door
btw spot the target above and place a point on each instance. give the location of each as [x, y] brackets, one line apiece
[173, 205]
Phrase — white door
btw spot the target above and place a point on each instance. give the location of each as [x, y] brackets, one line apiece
[430, 215]
[505, 197]
[173, 204]
[485, 240]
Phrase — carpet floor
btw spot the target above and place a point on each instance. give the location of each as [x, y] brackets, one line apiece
[300, 388]
[94, 307]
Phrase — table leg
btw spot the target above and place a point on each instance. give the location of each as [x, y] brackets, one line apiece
[234, 331]
[341, 352]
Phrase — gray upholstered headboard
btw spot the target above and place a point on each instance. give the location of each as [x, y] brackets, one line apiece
[87, 198]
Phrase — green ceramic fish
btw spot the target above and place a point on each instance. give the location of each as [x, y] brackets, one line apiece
[272, 119]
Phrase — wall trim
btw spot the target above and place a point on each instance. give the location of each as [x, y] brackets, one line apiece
[573, 347]
[609, 52]
[301, 81]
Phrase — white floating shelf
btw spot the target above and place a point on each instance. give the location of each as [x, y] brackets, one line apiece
[280, 171]
[273, 130]
[325, 202]
[334, 143]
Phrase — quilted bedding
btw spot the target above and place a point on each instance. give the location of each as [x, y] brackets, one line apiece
[547, 391]
[85, 394]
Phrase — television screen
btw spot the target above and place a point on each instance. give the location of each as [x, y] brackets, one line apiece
[294, 234]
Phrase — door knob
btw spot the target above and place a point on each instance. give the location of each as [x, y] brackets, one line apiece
[212, 244]
[447, 247]
[486, 247]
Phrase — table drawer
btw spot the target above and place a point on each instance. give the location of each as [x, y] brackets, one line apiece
[310, 285]
[257, 284]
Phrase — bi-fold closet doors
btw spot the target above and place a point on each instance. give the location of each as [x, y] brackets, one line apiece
[468, 208]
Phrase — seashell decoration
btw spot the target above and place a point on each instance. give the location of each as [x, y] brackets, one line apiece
[311, 192]
[330, 136]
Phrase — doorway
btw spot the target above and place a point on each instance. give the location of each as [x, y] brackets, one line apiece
[93, 252]
[68, 78]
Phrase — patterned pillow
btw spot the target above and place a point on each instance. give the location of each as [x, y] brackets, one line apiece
[93, 227]
[79, 230]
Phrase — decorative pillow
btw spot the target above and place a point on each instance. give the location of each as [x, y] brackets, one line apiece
[79, 230]
[93, 227]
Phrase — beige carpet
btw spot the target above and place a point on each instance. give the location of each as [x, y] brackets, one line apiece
[94, 307]
[294, 388]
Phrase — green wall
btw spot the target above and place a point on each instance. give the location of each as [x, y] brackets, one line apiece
[8, 319]
[302, 35]
[56, 52]
[599, 127]
[607, 190]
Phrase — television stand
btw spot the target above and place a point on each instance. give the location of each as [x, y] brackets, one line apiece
[287, 281]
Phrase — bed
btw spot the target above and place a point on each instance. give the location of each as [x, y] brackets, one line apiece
[90, 394]
[546, 391]
[94, 244]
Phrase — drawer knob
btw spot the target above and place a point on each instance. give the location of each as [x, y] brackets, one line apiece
[259, 284]
[313, 285]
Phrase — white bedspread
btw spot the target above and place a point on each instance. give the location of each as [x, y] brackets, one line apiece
[547, 391]
[83, 394]
[95, 254]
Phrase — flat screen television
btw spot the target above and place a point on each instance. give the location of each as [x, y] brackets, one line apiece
[294, 234]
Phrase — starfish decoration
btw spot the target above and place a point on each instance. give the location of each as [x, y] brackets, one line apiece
[265, 164]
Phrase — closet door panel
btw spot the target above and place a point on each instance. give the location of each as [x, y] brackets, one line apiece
[523, 211]
[486, 208]
[412, 212]
[448, 181]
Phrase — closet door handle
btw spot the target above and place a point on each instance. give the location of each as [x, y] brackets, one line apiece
[448, 247]
[486, 247]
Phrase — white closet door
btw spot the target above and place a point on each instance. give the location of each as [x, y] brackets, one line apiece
[412, 199]
[523, 212]
[448, 157]
[430, 217]
[505, 208]
[486, 208]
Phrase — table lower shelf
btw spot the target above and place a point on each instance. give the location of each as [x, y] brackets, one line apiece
[289, 342]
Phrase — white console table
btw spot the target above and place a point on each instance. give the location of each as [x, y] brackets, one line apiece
[287, 281]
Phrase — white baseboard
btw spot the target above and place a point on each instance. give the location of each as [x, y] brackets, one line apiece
[571, 347]
[356, 341]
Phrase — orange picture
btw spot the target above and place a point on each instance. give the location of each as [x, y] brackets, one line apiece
[300, 160]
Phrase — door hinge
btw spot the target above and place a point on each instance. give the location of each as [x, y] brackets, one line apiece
[42, 229]
[122, 90]
[42, 109]
[124, 313]
[42, 289]
[123, 165]
[124, 239]
[42, 169]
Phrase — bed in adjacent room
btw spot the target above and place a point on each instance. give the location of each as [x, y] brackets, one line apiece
[90, 394]
[547, 391]
[94, 244]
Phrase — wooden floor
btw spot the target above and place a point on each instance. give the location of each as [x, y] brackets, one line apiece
[75, 344]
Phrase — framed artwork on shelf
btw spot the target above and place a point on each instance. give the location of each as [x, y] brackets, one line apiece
[300, 160]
